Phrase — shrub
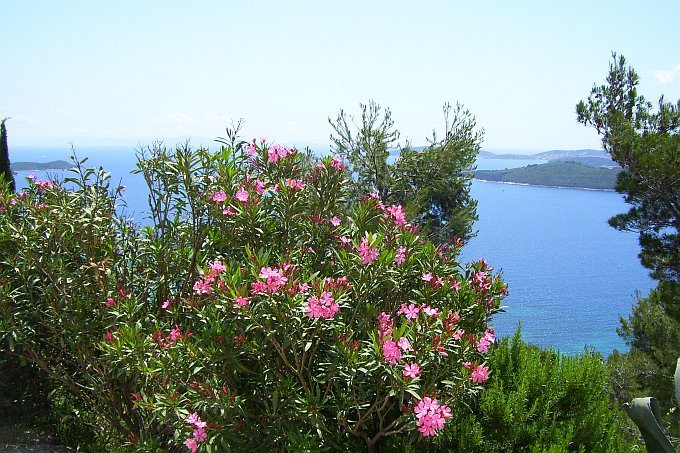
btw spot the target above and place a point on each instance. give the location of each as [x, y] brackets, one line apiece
[539, 400]
[258, 310]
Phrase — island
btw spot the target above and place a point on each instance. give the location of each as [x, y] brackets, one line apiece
[555, 174]
[31, 166]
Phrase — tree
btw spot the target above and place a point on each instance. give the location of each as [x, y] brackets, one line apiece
[5, 169]
[646, 144]
[432, 183]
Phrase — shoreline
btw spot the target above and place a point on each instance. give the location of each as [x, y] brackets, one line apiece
[543, 185]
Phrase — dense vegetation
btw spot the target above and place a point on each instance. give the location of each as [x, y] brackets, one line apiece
[646, 143]
[275, 303]
[432, 183]
[559, 174]
[5, 170]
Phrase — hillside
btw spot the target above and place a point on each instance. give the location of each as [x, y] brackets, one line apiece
[555, 174]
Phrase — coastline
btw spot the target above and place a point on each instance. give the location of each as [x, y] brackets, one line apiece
[543, 185]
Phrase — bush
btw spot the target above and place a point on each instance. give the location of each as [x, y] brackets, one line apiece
[258, 310]
[540, 401]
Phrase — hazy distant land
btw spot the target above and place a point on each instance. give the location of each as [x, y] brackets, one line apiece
[34, 166]
[555, 174]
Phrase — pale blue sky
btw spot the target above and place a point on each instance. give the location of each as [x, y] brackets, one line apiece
[127, 72]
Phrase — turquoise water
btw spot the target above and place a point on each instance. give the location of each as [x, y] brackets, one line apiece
[570, 274]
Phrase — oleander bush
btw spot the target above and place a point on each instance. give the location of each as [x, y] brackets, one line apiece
[258, 309]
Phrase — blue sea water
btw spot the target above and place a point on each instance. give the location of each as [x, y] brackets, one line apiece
[570, 274]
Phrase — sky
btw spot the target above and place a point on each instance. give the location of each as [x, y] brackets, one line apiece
[129, 72]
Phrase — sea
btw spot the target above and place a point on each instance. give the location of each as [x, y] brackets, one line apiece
[570, 275]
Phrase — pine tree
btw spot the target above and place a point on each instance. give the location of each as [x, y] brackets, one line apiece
[5, 169]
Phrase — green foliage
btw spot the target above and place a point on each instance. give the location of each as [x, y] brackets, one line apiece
[433, 184]
[646, 144]
[5, 170]
[258, 299]
[562, 174]
[539, 401]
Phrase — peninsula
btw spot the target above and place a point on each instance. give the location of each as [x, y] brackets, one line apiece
[555, 174]
[30, 166]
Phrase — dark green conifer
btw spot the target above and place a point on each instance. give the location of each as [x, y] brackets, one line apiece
[4, 156]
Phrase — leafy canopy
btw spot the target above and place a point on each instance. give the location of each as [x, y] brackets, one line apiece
[432, 183]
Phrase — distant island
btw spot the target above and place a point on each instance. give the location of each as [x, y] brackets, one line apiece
[30, 166]
[555, 174]
[592, 157]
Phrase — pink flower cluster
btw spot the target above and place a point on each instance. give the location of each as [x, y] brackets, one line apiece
[396, 212]
[202, 287]
[392, 349]
[411, 311]
[166, 341]
[42, 185]
[336, 163]
[276, 152]
[431, 416]
[274, 279]
[479, 373]
[487, 340]
[322, 307]
[295, 184]
[401, 255]
[199, 434]
[367, 253]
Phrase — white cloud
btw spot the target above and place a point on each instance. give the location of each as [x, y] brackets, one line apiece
[665, 76]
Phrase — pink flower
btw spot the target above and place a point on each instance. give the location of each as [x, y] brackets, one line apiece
[241, 301]
[483, 345]
[166, 304]
[426, 277]
[404, 344]
[322, 307]
[200, 435]
[391, 352]
[336, 163]
[251, 149]
[217, 267]
[229, 212]
[259, 187]
[429, 311]
[175, 334]
[344, 240]
[219, 196]
[110, 302]
[396, 212]
[480, 374]
[431, 416]
[455, 285]
[367, 253]
[241, 194]
[191, 444]
[274, 278]
[335, 221]
[202, 287]
[401, 255]
[195, 420]
[412, 370]
[295, 184]
[411, 311]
